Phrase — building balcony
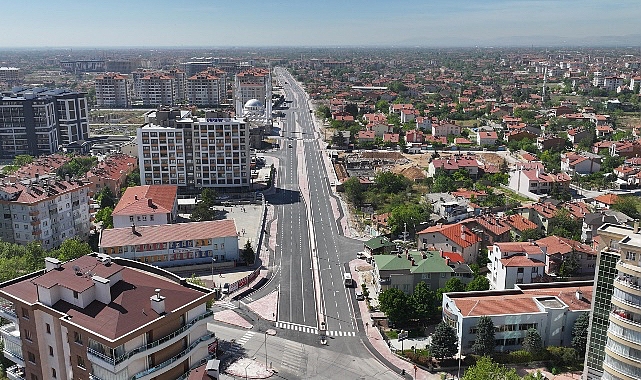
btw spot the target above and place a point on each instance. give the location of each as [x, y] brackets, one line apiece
[625, 267]
[10, 332]
[627, 303]
[622, 316]
[7, 311]
[114, 363]
[385, 281]
[172, 362]
[34, 213]
[15, 372]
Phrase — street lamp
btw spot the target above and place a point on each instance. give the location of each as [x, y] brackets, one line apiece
[250, 363]
[265, 349]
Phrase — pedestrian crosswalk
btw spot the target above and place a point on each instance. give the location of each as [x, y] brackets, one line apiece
[294, 357]
[341, 333]
[227, 305]
[297, 327]
[312, 330]
[236, 347]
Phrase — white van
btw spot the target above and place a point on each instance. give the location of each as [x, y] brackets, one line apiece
[348, 280]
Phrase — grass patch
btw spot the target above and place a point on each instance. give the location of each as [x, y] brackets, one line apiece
[391, 334]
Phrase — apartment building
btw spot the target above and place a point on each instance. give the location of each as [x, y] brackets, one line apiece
[28, 124]
[111, 172]
[255, 83]
[111, 90]
[98, 317]
[157, 89]
[73, 115]
[43, 210]
[196, 153]
[614, 340]
[207, 88]
[146, 206]
[180, 84]
[172, 245]
[12, 76]
[550, 308]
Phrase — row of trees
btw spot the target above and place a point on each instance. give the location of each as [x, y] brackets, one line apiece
[423, 304]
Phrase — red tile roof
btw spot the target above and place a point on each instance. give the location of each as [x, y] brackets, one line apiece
[38, 192]
[521, 303]
[608, 199]
[457, 233]
[520, 223]
[114, 166]
[130, 307]
[42, 165]
[136, 200]
[118, 237]
[521, 261]
[556, 244]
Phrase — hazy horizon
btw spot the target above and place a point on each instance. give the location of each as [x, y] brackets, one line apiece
[332, 23]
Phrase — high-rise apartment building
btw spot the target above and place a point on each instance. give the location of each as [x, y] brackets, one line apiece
[73, 115]
[180, 84]
[196, 153]
[255, 83]
[28, 124]
[98, 317]
[207, 88]
[614, 340]
[157, 89]
[111, 90]
[43, 210]
[12, 76]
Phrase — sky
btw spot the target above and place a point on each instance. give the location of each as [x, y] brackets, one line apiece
[216, 23]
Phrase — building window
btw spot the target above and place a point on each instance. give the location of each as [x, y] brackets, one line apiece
[77, 337]
[50, 351]
[27, 335]
[131, 218]
[48, 327]
[53, 373]
[31, 357]
[630, 256]
[75, 294]
[81, 362]
[25, 313]
[519, 270]
[34, 377]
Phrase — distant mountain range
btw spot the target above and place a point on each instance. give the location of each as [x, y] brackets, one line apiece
[605, 41]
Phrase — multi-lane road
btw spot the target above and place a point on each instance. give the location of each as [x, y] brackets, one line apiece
[311, 250]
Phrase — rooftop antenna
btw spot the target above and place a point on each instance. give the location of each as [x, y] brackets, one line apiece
[77, 270]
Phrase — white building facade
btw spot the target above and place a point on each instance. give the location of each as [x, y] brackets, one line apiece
[197, 153]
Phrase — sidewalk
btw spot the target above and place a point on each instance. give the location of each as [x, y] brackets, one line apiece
[373, 334]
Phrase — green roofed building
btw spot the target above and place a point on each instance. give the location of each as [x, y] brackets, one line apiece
[379, 245]
[405, 271]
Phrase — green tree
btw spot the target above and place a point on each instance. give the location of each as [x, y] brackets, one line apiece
[444, 342]
[391, 183]
[10, 169]
[354, 191]
[629, 205]
[406, 214]
[208, 196]
[77, 167]
[338, 138]
[382, 106]
[580, 333]
[324, 112]
[71, 249]
[478, 283]
[104, 216]
[248, 255]
[106, 198]
[396, 306]
[424, 302]
[533, 342]
[531, 234]
[352, 109]
[486, 369]
[133, 179]
[202, 212]
[569, 266]
[563, 224]
[484, 341]
[22, 160]
[443, 183]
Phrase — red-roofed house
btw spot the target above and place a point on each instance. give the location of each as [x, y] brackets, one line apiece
[415, 136]
[452, 237]
[450, 164]
[171, 245]
[365, 136]
[486, 137]
[391, 138]
[515, 263]
[111, 172]
[147, 205]
[559, 250]
[605, 200]
[446, 129]
[533, 182]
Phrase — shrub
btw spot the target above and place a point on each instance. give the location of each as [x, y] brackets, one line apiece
[520, 356]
